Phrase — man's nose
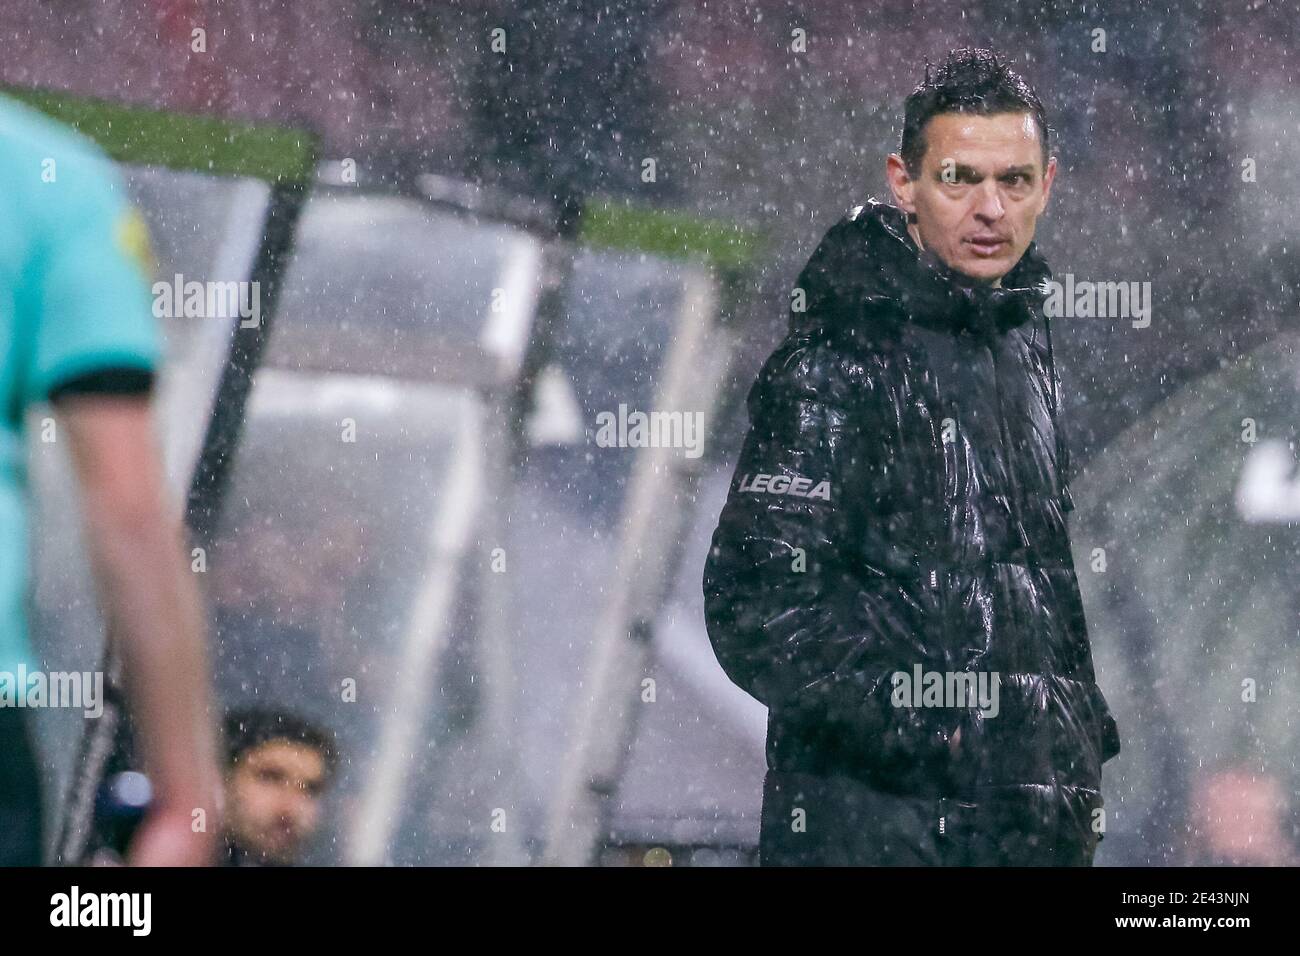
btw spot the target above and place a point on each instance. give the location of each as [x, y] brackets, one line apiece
[989, 206]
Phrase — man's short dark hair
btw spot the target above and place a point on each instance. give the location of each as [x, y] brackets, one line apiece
[968, 81]
[249, 727]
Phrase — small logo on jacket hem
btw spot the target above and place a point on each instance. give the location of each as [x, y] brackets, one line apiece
[795, 485]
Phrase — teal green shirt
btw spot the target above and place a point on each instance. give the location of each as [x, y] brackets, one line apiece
[74, 299]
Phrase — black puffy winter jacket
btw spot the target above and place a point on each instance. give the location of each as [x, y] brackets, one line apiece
[900, 501]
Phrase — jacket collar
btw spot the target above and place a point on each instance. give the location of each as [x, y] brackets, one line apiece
[931, 294]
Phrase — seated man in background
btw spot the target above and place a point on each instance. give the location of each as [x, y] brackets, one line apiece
[277, 768]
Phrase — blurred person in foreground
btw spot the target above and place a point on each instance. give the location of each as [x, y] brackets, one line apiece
[891, 573]
[76, 330]
[278, 767]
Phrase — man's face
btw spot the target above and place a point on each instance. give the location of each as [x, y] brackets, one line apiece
[273, 796]
[981, 189]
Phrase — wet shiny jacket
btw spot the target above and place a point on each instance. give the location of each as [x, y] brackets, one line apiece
[899, 503]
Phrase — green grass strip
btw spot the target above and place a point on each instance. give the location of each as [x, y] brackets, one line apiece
[669, 233]
[143, 136]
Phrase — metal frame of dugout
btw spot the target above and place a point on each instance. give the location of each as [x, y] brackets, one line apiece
[502, 379]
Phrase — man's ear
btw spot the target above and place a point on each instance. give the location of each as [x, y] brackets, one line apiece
[900, 183]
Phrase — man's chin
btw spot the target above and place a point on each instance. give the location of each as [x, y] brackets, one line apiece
[281, 852]
[982, 271]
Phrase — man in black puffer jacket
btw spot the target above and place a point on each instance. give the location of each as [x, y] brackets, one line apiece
[891, 574]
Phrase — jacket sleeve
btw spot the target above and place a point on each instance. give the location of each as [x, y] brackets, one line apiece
[793, 616]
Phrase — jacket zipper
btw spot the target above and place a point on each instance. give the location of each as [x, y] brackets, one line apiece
[1013, 486]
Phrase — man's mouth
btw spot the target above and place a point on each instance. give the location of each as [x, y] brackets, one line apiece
[986, 245]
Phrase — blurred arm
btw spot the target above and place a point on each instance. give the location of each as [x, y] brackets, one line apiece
[152, 606]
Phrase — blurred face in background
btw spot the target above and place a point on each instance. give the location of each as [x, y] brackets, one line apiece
[273, 799]
[979, 192]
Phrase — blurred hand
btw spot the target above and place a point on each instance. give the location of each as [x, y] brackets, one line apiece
[1241, 816]
[167, 838]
